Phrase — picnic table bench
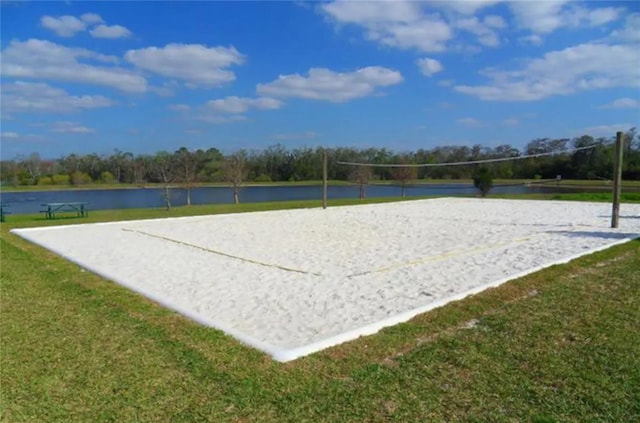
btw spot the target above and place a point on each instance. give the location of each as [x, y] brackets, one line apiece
[50, 209]
[3, 211]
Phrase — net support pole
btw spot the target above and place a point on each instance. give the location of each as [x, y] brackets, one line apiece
[617, 181]
[325, 179]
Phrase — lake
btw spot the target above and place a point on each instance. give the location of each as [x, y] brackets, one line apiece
[103, 199]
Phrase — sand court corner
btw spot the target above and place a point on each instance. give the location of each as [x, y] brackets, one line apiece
[292, 282]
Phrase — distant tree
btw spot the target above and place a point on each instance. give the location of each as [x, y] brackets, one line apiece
[80, 178]
[164, 169]
[106, 177]
[33, 166]
[235, 171]
[361, 175]
[186, 170]
[404, 174]
[483, 180]
[9, 171]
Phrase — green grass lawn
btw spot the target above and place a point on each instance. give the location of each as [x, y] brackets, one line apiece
[559, 345]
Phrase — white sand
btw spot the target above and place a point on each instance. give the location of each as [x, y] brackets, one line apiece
[292, 282]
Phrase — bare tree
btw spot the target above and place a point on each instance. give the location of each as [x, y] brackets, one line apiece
[164, 169]
[235, 171]
[33, 166]
[186, 170]
[361, 175]
[404, 174]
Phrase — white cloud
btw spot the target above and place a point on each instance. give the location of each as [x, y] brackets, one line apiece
[196, 64]
[622, 103]
[27, 97]
[307, 135]
[630, 31]
[446, 82]
[71, 128]
[606, 130]
[471, 122]
[484, 29]
[10, 135]
[233, 105]
[544, 17]
[429, 67]
[399, 24]
[180, 107]
[372, 12]
[68, 26]
[532, 39]
[579, 68]
[110, 31]
[325, 84]
[604, 15]
[467, 7]
[226, 110]
[91, 18]
[64, 26]
[40, 59]
[511, 122]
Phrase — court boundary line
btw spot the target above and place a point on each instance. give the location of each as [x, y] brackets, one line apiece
[221, 253]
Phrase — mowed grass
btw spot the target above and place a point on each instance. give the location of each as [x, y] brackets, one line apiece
[560, 345]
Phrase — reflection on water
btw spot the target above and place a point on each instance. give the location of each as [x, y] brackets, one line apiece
[29, 202]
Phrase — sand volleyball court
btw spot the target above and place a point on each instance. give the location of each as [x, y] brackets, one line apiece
[292, 282]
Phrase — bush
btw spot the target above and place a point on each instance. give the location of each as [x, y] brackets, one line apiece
[483, 180]
[107, 177]
[61, 179]
[80, 178]
[45, 180]
[263, 178]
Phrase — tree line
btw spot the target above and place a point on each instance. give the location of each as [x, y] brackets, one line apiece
[279, 163]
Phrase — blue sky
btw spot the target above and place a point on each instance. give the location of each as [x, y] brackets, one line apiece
[83, 77]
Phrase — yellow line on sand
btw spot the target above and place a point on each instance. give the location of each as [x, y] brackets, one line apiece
[208, 250]
[443, 256]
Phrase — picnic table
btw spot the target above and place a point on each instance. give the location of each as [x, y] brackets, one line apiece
[3, 211]
[50, 209]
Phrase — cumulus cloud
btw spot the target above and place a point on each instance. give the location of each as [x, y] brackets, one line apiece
[606, 130]
[429, 67]
[226, 110]
[630, 31]
[10, 135]
[180, 107]
[397, 24]
[68, 26]
[196, 64]
[64, 26]
[327, 85]
[110, 31]
[41, 59]
[466, 7]
[233, 105]
[579, 68]
[28, 97]
[71, 128]
[622, 103]
[484, 29]
[471, 122]
[544, 17]
[532, 39]
[91, 18]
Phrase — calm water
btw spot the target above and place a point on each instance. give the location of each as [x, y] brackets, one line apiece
[29, 202]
